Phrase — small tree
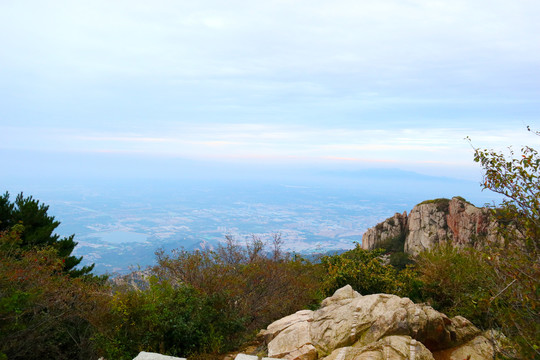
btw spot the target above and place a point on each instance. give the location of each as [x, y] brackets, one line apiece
[514, 302]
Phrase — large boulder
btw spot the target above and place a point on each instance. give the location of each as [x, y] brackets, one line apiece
[366, 319]
[360, 324]
[427, 226]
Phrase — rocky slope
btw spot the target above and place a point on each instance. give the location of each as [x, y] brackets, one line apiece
[433, 222]
[349, 326]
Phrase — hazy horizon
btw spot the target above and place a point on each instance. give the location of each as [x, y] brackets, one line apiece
[372, 99]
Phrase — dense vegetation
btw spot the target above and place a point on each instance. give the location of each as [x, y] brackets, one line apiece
[211, 301]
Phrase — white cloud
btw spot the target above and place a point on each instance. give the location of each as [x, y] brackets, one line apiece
[209, 38]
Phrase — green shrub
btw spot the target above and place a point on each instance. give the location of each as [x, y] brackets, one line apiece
[177, 321]
[400, 260]
[457, 282]
[367, 273]
[208, 301]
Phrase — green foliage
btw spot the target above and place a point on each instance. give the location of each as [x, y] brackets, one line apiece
[367, 273]
[38, 229]
[518, 179]
[400, 260]
[457, 282]
[394, 247]
[515, 263]
[170, 320]
[207, 301]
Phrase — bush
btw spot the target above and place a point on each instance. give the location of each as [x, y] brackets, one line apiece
[457, 282]
[209, 301]
[178, 321]
[367, 273]
[44, 313]
[400, 260]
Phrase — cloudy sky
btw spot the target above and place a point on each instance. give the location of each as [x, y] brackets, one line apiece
[382, 83]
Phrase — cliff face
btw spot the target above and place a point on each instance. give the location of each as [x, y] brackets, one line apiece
[390, 228]
[433, 222]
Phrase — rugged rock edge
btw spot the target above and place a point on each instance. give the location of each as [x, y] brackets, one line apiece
[379, 326]
[434, 222]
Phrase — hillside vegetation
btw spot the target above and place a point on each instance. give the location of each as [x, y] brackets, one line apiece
[207, 302]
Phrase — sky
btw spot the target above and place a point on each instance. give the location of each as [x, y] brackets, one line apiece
[332, 84]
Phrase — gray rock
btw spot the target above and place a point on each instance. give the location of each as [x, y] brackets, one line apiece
[341, 296]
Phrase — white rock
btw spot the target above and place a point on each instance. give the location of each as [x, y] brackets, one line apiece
[341, 296]
[246, 357]
[143, 355]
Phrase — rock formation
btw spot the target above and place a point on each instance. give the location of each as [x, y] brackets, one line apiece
[392, 227]
[433, 222]
[349, 326]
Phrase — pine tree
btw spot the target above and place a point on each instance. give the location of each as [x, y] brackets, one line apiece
[39, 230]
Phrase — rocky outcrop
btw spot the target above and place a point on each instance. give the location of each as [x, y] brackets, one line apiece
[390, 228]
[433, 222]
[379, 326]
